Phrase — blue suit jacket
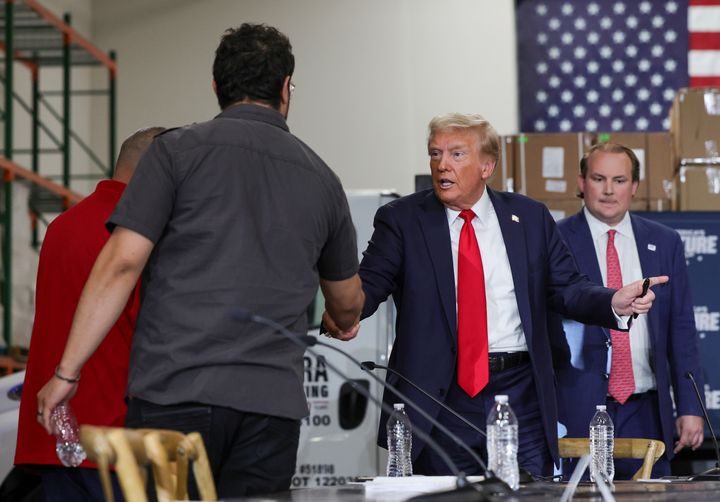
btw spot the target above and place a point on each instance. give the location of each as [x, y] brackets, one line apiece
[409, 256]
[582, 371]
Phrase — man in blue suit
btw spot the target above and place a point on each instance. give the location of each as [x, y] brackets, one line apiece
[418, 244]
[662, 345]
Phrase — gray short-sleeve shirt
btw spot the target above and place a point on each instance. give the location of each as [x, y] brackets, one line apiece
[243, 215]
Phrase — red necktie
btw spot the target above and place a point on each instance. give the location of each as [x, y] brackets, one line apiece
[473, 371]
[622, 382]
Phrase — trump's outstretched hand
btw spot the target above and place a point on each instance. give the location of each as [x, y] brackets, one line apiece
[628, 300]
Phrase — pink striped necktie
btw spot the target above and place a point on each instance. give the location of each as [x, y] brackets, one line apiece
[473, 370]
[622, 382]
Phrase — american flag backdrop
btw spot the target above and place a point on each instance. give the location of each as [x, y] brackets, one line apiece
[612, 65]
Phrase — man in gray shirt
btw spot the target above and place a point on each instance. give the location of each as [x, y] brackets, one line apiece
[232, 213]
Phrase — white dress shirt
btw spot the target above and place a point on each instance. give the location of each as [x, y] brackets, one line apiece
[631, 271]
[505, 333]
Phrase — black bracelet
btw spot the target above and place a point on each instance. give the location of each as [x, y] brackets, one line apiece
[65, 379]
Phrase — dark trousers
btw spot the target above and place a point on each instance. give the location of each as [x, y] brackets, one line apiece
[249, 453]
[518, 384]
[62, 484]
[639, 417]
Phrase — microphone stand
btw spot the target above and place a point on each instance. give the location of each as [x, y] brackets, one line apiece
[370, 365]
[416, 407]
[714, 473]
[491, 481]
[306, 341]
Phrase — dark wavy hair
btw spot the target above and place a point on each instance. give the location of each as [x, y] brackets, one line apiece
[252, 62]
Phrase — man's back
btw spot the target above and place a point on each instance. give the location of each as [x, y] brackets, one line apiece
[72, 242]
[243, 215]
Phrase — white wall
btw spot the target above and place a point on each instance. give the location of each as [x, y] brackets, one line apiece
[369, 73]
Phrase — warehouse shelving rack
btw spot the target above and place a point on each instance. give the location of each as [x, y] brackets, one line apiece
[35, 38]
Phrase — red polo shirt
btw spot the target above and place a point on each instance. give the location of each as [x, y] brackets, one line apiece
[72, 243]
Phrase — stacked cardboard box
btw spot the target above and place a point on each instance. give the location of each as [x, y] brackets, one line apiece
[547, 167]
[695, 128]
[695, 123]
[502, 178]
[698, 188]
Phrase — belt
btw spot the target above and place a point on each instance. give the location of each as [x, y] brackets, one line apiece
[634, 397]
[500, 361]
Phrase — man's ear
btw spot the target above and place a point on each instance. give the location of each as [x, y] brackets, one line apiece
[581, 184]
[488, 168]
[285, 93]
[214, 86]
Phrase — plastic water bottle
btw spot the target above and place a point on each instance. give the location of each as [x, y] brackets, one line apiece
[502, 442]
[67, 445]
[399, 440]
[602, 439]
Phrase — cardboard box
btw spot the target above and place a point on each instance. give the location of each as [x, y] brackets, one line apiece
[502, 179]
[562, 208]
[698, 188]
[658, 205]
[547, 165]
[694, 120]
[660, 167]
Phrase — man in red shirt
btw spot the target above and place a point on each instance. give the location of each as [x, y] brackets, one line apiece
[71, 245]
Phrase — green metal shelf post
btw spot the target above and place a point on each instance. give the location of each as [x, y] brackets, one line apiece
[7, 217]
[66, 104]
[35, 134]
[112, 115]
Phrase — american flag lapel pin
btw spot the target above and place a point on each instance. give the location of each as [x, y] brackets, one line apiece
[515, 218]
[651, 247]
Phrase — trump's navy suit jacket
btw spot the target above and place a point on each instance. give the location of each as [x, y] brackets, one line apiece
[409, 257]
[582, 373]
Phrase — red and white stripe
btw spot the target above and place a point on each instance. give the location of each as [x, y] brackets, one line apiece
[704, 47]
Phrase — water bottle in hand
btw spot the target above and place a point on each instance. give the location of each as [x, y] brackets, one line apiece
[399, 440]
[602, 439]
[502, 442]
[65, 427]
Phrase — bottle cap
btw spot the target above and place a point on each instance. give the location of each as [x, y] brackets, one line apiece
[399, 406]
[501, 398]
[601, 407]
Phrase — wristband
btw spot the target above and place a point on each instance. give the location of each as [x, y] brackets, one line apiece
[64, 378]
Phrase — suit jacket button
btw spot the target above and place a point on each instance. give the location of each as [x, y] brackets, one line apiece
[606, 376]
[608, 344]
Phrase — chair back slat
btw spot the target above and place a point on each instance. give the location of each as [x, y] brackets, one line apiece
[650, 450]
[169, 453]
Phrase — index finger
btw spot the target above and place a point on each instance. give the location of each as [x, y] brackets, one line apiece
[661, 279]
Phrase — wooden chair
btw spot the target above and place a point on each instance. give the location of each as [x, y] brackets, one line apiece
[109, 445]
[168, 452]
[650, 450]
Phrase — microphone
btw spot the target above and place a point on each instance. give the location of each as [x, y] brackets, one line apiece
[714, 473]
[307, 341]
[370, 365]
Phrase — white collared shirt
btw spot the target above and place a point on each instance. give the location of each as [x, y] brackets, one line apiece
[631, 271]
[505, 333]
